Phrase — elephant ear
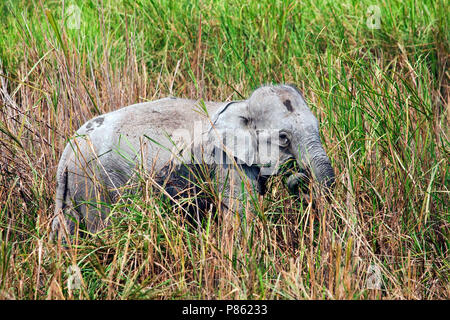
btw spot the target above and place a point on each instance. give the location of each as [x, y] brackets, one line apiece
[231, 132]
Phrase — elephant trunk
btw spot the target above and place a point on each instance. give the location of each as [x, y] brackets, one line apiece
[319, 162]
[313, 155]
[323, 171]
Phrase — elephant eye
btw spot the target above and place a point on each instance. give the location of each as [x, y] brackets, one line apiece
[245, 121]
[284, 139]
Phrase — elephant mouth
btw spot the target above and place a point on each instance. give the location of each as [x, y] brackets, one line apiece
[298, 181]
[296, 178]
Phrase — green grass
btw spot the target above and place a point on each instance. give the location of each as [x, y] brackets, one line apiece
[381, 96]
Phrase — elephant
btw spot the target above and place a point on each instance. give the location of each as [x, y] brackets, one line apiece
[242, 142]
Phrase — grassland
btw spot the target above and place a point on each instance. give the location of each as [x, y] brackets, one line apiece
[381, 96]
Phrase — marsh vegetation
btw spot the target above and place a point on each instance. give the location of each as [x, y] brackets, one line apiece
[381, 96]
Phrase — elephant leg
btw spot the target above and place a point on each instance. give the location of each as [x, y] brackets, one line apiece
[65, 223]
[238, 187]
[87, 209]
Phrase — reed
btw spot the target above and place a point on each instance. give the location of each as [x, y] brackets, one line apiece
[381, 96]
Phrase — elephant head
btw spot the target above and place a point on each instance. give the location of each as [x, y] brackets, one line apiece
[273, 127]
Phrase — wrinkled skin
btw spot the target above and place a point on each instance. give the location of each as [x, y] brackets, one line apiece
[107, 151]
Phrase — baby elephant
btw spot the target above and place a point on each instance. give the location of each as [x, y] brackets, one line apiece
[242, 143]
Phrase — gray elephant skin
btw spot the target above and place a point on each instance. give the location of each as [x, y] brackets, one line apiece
[241, 142]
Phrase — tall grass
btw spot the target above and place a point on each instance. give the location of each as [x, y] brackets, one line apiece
[382, 99]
